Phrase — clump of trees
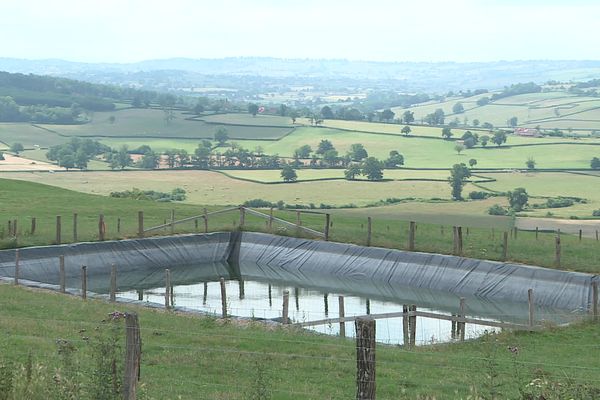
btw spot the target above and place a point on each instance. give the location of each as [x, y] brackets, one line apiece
[16, 148]
[435, 118]
[76, 153]
[370, 167]
[518, 199]
[119, 159]
[177, 194]
[288, 174]
[458, 178]
[595, 163]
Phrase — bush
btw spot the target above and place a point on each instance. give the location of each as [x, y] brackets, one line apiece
[177, 194]
[478, 195]
[497, 209]
[596, 213]
[259, 203]
[559, 202]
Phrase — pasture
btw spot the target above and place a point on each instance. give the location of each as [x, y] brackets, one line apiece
[248, 119]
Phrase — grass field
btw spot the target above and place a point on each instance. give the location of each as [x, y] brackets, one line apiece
[132, 123]
[28, 135]
[188, 357]
[248, 119]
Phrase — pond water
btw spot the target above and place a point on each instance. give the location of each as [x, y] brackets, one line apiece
[257, 291]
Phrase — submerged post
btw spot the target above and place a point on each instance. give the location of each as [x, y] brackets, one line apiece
[369, 230]
[461, 326]
[223, 298]
[17, 266]
[405, 326]
[411, 236]
[595, 300]
[413, 325]
[365, 359]
[140, 224]
[167, 288]
[286, 302]
[531, 306]
[113, 283]
[61, 274]
[342, 313]
[84, 282]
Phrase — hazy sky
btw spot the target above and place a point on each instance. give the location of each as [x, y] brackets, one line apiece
[385, 30]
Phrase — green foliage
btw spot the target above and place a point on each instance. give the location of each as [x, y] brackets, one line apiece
[1, 156]
[387, 115]
[76, 152]
[119, 159]
[517, 199]
[596, 213]
[16, 147]
[177, 194]
[530, 163]
[447, 133]
[303, 151]
[252, 109]
[357, 152]
[372, 168]
[394, 160]
[472, 162]
[458, 108]
[406, 130]
[458, 175]
[484, 140]
[459, 147]
[499, 138]
[150, 160]
[497, 209]
[478, 195]
[327, 113]
[559, 202]
[324, 145]
[408, 117]
[435, 118]
[221, 136]
[288, 174]
[595, 163]
[519, 88]
[352, 172]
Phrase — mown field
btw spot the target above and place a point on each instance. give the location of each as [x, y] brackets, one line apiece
[188, 357]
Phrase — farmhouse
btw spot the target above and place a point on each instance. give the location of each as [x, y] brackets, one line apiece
[529, 132]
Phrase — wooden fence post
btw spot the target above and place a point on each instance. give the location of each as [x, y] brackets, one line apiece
[58, 230]
[167, 287]
[15, 229]
[298, 219]
[405, 327]
[84, 282]
[242, 217]
[101, 227]
[271, 219]
[223, 298]
[413, 326]
[537, 231]
[369, 230]
[10, 227]
[327, 222]
[342, 314]
[17, 266]
[286, 304]
[411, 236]
[557, 251]
[140, 224]
[113, 283]
[516, 230]
[454, 240]
[365, 359]
[61, 274]
[205, 220]
[442, 230]
[172, 222]
[597, 235]
[133, 355]
[118, 224]
[74, 227]
[505, 246]
[33, 223]
[595, 300]
[460, 240]
[531, 306]
[580, 234]
[461, 326]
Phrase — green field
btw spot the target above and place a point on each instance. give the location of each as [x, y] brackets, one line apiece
[28, 135]
[200, 357]
[248, 119]
[140, 123]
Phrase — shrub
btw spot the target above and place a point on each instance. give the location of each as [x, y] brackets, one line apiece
[559, 202]
[478, 195]
[497, 209]
[259, 203]
[596, 213]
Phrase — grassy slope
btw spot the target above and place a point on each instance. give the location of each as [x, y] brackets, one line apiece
[195, 357]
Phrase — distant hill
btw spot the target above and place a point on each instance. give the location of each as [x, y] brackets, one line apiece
[176, 73]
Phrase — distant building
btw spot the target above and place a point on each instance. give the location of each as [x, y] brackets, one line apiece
[530, 132]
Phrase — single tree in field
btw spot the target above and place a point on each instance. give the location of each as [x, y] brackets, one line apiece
[288, 174]
[406, 130]
[326, 112]
[530, 163]
[293, 115]
[518, 199]
[352, 172]
[459, 147]
[253, 109]
[324, 146]
[17, 148]
[476, 122]
[303, 151]
[372, 169]
[484, 140]
[408, 117]
[395, 159]
[458, 108]
[447, 133]
[221, 136]
[595, 163]
[357, 152]
[458, 175]
[499, 138]
[387, 115]
[513, 121]
[472, 162]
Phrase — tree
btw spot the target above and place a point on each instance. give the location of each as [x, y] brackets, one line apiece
[1, 156]
[435, 118]
[406, 130]
[202, 156]
[459, 147]
[595, 163]
[293, 115]
[150, 160]
[469, 139]
[458, 175]
[408, 117]
[352, 172]
[447, 133]
[357, 152]
[198, 108]
[169, 115]
[288, 174]
[283, 110]
[303, 151]
[331, 157]
[475, 122]
[253, 109]
[372, 169]
[487, 125]
[324, 146]
[67, 161]
[513, 121]
[530, 163]
[484, 140]
[112, 119]
[327, 113]
[16, 148]
[387, 115]
[472, 162]
[122, 158]
[483, 101]
[499, 138]
[395, 159]
[458, 108]
[221, 136]
[518, 198]
[81, 159]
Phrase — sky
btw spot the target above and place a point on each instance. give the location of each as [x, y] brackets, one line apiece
[377, 30]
